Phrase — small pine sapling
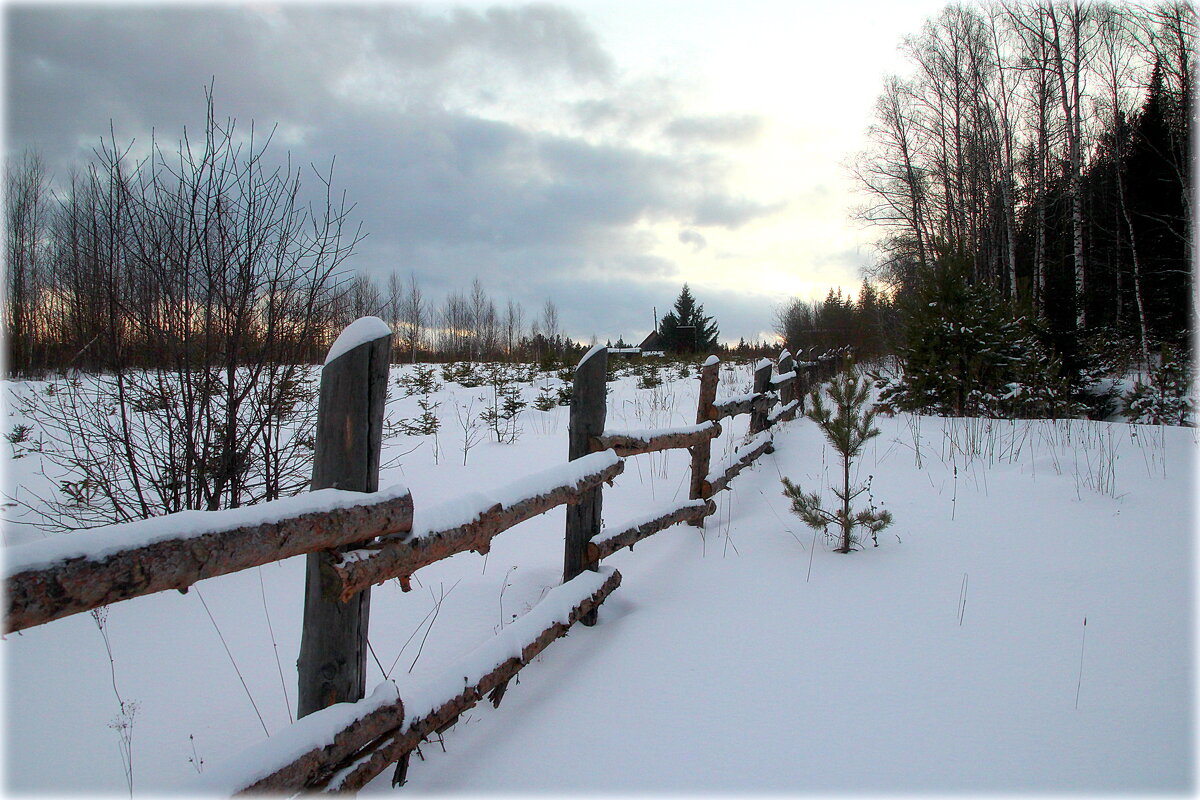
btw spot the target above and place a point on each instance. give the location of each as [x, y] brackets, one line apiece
[847, 431]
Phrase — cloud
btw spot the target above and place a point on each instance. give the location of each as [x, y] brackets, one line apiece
[716, 129]
[698, 242]
[416, 104]
[732, 212]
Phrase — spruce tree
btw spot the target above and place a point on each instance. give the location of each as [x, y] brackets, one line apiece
[687, 329]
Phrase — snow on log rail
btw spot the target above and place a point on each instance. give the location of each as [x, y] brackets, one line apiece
[66, 575]
[630, 533]
[742, 404]
[629, 443]
[457, 527]
[743, 457]
[343, 747]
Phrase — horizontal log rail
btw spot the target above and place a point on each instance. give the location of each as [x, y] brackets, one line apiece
[397, 746]
[743, 458]
[73, 584]
[608, 542]
[631, 444]
[742, 405]
[400, 558]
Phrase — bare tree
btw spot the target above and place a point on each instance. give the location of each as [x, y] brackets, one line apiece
[27, 200]
[414, 313]
[215, 272]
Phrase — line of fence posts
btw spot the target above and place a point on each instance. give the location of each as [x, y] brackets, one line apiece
[332, 662]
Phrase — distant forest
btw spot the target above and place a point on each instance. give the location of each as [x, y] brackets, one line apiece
[209, 256]
[1043, 150]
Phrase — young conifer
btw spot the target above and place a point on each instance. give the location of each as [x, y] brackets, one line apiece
[848, 425]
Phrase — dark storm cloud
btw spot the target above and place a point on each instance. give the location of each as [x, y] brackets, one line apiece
[444, 187]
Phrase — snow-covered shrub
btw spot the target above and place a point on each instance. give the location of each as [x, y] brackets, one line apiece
[506, 404]
[464, 373]
[1168, 398]
[420, 381]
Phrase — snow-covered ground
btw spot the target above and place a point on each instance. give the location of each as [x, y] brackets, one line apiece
[748, 657]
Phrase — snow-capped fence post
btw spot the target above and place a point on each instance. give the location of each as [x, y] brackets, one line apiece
[788, 390]
[702, 453]
[333, 644]
[762, 382]
[587, 417]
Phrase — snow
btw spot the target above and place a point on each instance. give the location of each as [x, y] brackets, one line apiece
[421, 698]
[779, 411]
[609, 531]
[564, 474]
[708, 362]
[431, 517]
[744, 397]
[648, 433]
[596, 348]
[97, 544]
[764, 363]
[361, 331]
[753, 443]
[285, 746]
[742, 658]
[784, 378]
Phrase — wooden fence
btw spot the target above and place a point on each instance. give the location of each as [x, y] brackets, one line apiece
[354, 541]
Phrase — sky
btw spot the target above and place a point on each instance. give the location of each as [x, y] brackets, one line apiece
[597, 154]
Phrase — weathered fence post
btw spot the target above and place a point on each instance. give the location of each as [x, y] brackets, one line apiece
[333, 641]
[762, 382]
[787, 391]
[588, 410]
[702, 453]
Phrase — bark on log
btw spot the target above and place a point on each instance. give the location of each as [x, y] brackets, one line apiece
[400, 558]
[702, 453]
[611, 543]
[41, 595]
[635, 445]
[731, 472]
[374, 760]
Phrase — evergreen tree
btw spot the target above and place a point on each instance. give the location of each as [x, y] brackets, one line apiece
[1160, 220]
[966, 354]
[687, 329]
[848, 430]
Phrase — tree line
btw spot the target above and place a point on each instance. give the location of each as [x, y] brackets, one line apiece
[1043, 149]
[209, 255]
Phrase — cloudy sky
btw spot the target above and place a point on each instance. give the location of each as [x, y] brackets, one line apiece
[599, 154]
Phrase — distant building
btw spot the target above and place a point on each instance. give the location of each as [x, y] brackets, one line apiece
[653, 341]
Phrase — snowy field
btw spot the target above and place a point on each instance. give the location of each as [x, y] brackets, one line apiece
[745, 658]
